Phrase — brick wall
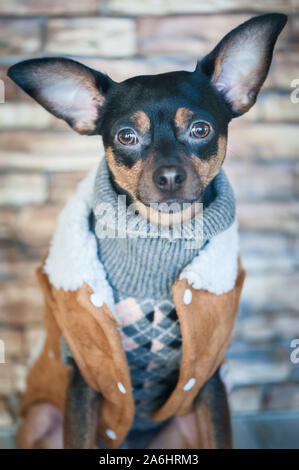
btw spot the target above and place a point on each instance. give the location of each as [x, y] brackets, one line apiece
[41, 161]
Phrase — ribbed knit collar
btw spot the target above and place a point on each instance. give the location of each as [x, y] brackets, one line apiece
[145, 265]
[218, 212]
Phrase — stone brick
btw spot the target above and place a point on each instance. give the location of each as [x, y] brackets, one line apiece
[253, 181]
[268, 327]
[20, 313]
[20, 303]
[15, 264]
[263, 141]
[49, 143]
[284, 69]
[13, 342]
[271, 292]
[276, 107]
[282, 397]
[261, 263]
[19, 189]
[6, 380]
[24, 115]
[49, 7]
[194, 34]
[49, 151]
[113, 37]
[183, 34]
[19, 378]
[160, 7]
[245, 399]
[8, 221]
[247, 372]
[19, 37]
[121, 69]
[296, 249]
[63, 185]
[48, 162]
[36, 225]
[295, 28]
[268, 252]
[11, 89]
[9, 252]
[265, 243]
[5, 417]
[297, 178]
[282, 216]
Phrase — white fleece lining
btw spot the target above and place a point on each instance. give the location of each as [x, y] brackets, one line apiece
[216, 267]
[73, 257]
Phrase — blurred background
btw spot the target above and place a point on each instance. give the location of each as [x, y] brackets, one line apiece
[42, 160]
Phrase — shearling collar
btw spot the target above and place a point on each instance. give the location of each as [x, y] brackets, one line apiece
[73, 258]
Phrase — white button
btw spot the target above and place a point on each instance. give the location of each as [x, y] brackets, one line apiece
[50, 354]
[190, 384]
[187, 297]
[96, 301]
[111, 434]
[121, 387]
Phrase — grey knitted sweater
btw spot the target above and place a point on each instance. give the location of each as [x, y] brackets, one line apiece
[141, 270]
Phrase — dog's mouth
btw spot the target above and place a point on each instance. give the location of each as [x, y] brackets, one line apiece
[169, 213]
[171, 206]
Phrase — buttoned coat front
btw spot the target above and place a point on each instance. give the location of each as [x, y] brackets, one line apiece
[92, 333]
[79, 306]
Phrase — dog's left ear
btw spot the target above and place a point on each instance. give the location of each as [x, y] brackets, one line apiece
[240, 62]
[68, 89]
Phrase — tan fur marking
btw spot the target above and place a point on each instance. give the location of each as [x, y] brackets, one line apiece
[141, 121]
[126, 178]
[165, 219]
[182, 117]
[208, 169]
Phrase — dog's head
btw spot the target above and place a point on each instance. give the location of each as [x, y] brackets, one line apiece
[164, 135]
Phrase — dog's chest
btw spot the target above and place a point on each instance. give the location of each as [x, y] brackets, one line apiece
[151, 338]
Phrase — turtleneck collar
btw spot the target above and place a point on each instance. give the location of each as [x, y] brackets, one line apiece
[139, 264]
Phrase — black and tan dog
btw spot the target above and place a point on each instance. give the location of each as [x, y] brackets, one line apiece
[165, 141]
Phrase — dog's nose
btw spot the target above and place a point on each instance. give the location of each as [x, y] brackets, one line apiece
[169, 178]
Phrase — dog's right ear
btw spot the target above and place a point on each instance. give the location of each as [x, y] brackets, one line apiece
[68, 89]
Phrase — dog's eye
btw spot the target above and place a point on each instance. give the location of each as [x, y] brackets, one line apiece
[127, 137]
[200, 130]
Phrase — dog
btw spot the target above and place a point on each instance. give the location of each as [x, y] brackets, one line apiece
[165, 141]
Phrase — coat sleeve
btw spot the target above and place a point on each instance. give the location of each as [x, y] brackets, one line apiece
[48, 378]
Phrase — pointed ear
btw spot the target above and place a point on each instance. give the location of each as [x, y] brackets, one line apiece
[68, 89]
[239, 64]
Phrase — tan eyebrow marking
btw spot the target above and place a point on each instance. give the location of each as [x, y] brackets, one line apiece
[141, 121]
[182, 117]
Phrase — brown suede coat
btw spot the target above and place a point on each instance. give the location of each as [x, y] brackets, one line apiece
[92, 334]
